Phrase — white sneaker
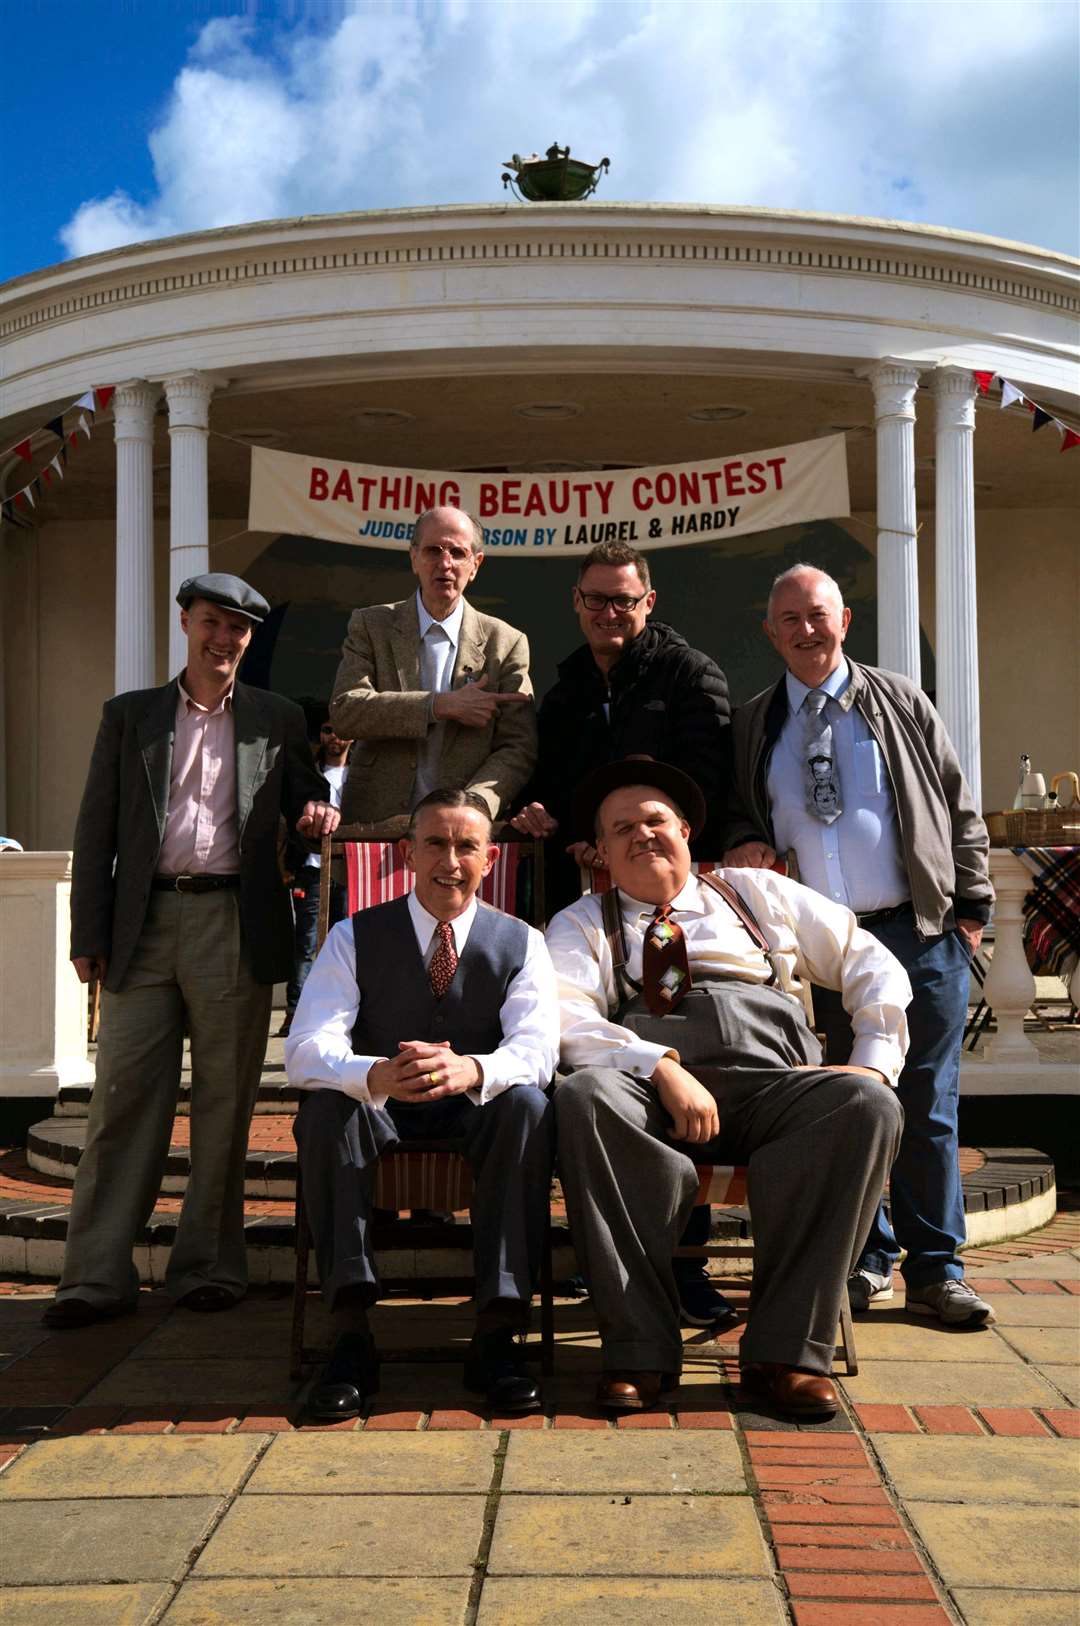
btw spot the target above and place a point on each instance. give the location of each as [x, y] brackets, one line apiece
[866, 1287]
[954, 1303]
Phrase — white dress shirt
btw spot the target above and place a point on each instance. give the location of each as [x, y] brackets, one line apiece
[319, 1053]
[812, 939]
[438, 651]
[858, 859]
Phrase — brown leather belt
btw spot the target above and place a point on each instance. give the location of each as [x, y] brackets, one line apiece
[193, 883]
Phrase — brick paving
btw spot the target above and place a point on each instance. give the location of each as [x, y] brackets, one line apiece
[849, 1523]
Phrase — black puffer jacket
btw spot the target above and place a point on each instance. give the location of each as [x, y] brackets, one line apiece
[666, 701]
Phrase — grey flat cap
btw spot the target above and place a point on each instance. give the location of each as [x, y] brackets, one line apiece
[230, 591]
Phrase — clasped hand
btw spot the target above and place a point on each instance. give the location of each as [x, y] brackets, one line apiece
[423, 1072]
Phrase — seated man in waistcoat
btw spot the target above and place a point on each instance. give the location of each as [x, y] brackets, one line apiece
[681, 1009]
[433, 1016]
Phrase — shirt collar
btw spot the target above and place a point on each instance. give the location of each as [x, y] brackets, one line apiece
[188, 704]
[425, 924]
[689, 901]
[451, 626]
[834, 685]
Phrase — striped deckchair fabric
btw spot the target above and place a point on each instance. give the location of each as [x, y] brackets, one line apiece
[437, 1180]
[721, 1184]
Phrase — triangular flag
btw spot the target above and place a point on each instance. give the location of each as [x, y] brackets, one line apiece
[104, 397]
[1010, 393]
[73, 438]
[28, 495]
[1039, 417]
[46, 475]
[23, 450]
[1069, 438]
[35, 487]
[62, 454]
[86, 401]
[57, 465]
[20, 498]
[984, 381]
[55, 426]
[1029, 406]
[83, 425]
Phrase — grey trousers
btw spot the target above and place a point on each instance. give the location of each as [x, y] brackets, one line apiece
[818, 1146]
[190, 964]
[509, 1145]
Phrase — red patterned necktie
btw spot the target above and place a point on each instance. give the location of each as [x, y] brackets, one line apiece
[665, 969]
[443, 962]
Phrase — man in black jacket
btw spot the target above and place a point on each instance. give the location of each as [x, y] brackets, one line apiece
[634, 688]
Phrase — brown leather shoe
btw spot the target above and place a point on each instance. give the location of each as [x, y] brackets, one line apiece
[803, 1394]
[633, 1391]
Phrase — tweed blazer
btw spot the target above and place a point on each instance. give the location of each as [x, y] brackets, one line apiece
[121, 823]
[379, 703]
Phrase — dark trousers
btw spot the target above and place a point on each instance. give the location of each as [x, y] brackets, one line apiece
[926, 1197]
[509, 1144]
[306, 894]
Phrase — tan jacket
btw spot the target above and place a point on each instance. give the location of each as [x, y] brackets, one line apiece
[378, 702]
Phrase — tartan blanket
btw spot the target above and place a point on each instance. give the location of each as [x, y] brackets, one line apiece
[1052, 910]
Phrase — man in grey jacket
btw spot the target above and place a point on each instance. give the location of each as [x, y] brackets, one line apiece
[850, 769]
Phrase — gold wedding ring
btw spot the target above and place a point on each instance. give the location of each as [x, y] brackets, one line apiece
[433, 1078]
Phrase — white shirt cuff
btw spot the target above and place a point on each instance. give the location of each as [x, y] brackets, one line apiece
[639, 1059]
[880, 1054]
[354, 1080]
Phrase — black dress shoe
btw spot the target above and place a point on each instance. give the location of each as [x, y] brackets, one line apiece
[347, 1381]
[494, 1368]
[209, 1299]
[700, 1303]
[76, 1312]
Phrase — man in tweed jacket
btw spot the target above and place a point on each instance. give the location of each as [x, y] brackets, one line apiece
[434, 693]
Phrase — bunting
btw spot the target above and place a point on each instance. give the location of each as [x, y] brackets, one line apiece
[1040, 417]
[87, 406]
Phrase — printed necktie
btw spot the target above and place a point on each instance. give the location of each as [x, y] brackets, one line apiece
[665, 969]
[823, 799]
[443, 962]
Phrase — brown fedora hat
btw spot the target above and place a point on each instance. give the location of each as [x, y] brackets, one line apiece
[685, 792]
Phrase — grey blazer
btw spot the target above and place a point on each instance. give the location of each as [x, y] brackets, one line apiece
[378, 701]
[121, 823]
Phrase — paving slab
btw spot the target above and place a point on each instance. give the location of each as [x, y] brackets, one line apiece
[81, 1605]
[324, 1602]
[641, 1462]
[964, 1383]
[1013, 1545]
[346, 1535]
[910, 1338]
[186, 1335]
[344, 1464]
[981, 1607]
[627, 1535]
[637, 1602]
[1060, 1345]
[1040, 1310]
[1057, 1267]
[131, 1465]
[140, 1382]
[133, 1539]
[961, 1468]
[1067, 1379]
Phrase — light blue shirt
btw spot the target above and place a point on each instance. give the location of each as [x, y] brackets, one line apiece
[857, 860]
[438, 650]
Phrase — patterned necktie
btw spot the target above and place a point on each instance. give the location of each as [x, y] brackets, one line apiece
[443, 962]
[823, 799]
[665, 969]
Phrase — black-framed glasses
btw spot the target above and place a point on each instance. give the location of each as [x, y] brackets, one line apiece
[623, 602]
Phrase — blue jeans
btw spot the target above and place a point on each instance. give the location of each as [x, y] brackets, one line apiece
[926, 1199]
[306, 911]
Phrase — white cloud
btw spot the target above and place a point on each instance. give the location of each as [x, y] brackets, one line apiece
[962, 114]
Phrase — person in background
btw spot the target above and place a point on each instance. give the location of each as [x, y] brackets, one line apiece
[332, 761]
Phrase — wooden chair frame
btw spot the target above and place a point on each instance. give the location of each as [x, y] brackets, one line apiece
[303, 1354]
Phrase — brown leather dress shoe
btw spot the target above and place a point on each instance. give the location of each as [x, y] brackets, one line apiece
[802, 1394]
[633, 1391]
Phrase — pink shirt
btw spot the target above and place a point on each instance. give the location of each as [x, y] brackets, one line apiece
[200, 826]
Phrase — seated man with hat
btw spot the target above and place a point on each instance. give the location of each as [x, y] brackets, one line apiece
[682, 1013]
[430, 1017]
[178, 907]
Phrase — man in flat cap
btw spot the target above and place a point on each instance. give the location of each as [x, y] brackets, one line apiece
[681, 1009]
[179, 909]
[434, 694]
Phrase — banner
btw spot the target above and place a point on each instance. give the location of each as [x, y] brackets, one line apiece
[554, 515]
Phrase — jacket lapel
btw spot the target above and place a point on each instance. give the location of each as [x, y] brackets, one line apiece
[405, 645]
[156, 732]
[251, 740]
[471, 649]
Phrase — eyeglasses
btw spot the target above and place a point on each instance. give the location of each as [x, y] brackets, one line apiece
[623, 602]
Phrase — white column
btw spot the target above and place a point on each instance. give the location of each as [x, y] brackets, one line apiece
[42, 1001]
[189, 503]
[133, 427]
[957, 629]
[894, 384]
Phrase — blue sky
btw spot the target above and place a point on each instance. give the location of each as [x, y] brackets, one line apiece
[123, 121]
